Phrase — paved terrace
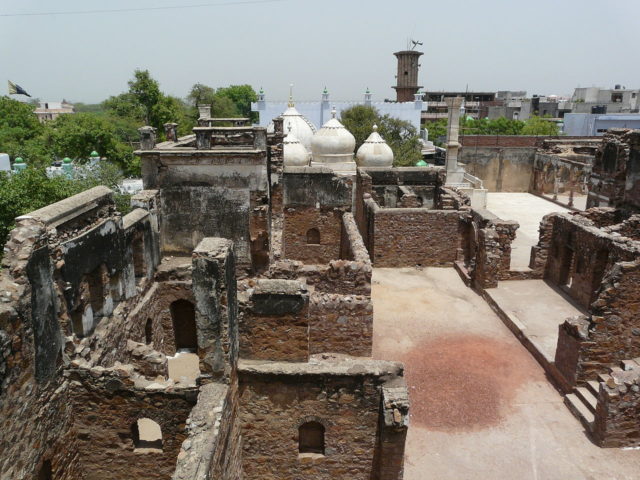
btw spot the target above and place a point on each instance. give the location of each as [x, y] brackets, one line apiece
[528, 211]
[481, 405]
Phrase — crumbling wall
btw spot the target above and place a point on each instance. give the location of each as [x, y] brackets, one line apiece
[274, 322]
[208, 193]
[47, 262]
[408, 236]
[615, 170]
[314, 202]
[341, 324]
[342, 395]
[213, 449]
[106, 405]
[215, 292]
[618, 407]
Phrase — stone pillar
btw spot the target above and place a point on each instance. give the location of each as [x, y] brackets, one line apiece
[171, 131]
[214, 289]
[204, 111]
[278, 127]
[453, 129]
[147, 137]
[259, 138]
[203, 138]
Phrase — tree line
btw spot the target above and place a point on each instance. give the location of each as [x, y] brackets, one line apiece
[110, 128]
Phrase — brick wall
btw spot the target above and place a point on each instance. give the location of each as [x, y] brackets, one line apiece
[277, 398]
[409, 237]
[341, 324]
[298, 221]
[274, 323]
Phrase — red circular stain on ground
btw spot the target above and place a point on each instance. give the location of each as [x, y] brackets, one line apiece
[465, 382]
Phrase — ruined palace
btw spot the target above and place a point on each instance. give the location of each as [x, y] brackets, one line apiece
[223, 328]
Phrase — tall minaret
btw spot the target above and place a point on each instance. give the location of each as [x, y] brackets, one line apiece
[407, 77]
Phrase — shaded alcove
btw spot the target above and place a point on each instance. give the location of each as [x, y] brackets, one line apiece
[183, 316]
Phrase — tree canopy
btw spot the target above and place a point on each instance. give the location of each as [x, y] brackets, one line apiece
[400, 135]
[499, 126]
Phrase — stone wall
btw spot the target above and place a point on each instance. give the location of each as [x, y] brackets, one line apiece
[300, 244]
[615, 180]
[274, 322]
[215, 293]
[213, 449]
[209, 193]
[409, 236]
[314, 202]
[343, 395]
[71, 256]
[504, 163]
[106, 404]
[618, 407]
[341, 324]
[487, 248]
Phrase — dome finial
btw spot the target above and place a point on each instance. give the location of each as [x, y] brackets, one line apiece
[333, 112]
[325, 91]
[375, 127]
[291, 104]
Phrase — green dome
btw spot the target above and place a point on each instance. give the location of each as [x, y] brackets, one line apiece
[325, 91]
[94, 154]
[66, 160]
[421, 163]
[19, 160]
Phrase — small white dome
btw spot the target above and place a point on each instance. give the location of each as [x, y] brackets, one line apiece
[302, 128]
[374, 152]
[294, 153]
[333, 143]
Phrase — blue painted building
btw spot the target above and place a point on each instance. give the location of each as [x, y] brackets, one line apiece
[596, 124]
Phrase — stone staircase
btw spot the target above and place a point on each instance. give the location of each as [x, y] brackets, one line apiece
[582, 403]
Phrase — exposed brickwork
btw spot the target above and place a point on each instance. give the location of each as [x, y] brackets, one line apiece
[346, 404]
[408, 237]
[299, 221]
[275, 322]
[341, 324]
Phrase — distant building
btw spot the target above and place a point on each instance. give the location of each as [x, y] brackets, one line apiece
[476, 104]
[52, 110]
[592, 124]
[319, 112]
[601, 100]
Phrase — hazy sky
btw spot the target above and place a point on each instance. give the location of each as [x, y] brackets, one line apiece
[542, 46]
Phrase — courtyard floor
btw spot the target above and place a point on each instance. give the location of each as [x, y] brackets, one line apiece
[481, 406]
[528, 211]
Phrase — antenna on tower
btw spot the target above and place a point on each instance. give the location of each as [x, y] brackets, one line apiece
[414, 44]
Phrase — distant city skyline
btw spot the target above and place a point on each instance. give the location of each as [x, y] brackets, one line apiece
[544, 48]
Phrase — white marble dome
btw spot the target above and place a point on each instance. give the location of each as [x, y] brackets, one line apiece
[302, 128]
[374, 152]
[294, 153]
[333, 143]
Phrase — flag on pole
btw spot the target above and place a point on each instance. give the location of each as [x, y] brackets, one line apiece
[16, 89]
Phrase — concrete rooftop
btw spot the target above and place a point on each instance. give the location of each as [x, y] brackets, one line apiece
[481, 406]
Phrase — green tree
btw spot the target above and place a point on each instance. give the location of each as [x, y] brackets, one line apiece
[241, 96]
[41, 192]
[20, 131]
[146, 92]
[540, 126]
[145, 103]
[400, 135]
